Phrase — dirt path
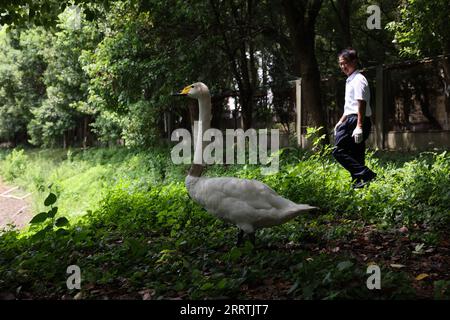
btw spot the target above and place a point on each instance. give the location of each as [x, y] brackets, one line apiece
[14, 206]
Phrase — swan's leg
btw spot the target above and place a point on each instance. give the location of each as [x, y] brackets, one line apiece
[240, 237]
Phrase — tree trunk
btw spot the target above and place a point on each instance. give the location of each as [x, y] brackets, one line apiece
[311, 92]
[65, 140]
[342, 11]
[85, 131]
[246, 99]
[301, 18]
[238, 47]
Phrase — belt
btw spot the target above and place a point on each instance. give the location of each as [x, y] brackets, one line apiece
[354, 115]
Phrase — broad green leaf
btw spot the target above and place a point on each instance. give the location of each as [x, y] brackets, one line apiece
[40, 234]
[52, 212]
[41, 217]
[61, 222]
[51, 199]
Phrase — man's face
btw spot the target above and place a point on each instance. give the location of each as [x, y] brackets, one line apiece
[347, 67]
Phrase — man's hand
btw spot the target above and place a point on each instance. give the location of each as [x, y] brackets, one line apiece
[358, 134]
[336, 126]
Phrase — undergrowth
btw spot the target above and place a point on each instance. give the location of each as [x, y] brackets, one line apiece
[132, 228]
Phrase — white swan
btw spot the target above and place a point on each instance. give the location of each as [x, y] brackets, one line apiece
[249, 204]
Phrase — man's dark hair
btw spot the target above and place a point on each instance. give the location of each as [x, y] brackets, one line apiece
[349, 54]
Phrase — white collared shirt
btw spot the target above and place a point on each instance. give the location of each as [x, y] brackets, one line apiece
[356, 88]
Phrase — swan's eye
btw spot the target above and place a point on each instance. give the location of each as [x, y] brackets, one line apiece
[192, 86]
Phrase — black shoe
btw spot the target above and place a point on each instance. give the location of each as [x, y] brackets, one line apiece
[355, 182]
[365, 181]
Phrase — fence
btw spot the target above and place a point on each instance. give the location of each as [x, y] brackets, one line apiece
[410, 103]
[410, 106]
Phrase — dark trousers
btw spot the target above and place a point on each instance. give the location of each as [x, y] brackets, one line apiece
[350, 154]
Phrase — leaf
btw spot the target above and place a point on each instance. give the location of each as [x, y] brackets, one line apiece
[42, 233]
[51, 199]
[62, 232]
[235, 254]
[39, 218]
[61, 222]
[418, 248]
[52, 212]
[344, 265]
[294, 287]
[397, 266]
[422, 276]
[207, 286]
[222, 284]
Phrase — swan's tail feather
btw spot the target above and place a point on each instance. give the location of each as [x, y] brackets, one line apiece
[305, 207]
[297, 210]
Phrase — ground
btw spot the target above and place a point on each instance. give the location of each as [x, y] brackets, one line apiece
[14, 206]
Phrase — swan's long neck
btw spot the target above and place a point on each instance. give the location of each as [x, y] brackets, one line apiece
[204, 123]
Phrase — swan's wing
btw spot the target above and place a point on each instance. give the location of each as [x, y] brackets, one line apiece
[240, 201]
[210, 191]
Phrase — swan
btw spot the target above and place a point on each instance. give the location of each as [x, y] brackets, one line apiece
[248, 204]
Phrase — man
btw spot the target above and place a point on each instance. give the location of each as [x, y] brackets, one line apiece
[353, 128]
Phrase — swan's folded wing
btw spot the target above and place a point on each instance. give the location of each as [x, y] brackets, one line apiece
[235, 199]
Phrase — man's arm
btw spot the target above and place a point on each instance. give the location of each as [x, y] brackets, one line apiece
[358, 132]
[343, 118]
[361, 112]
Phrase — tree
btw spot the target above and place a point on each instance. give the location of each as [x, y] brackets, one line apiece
[14, 115]
[421, 29]
[301, 19]
[236, 24]
[64, 114]
[342, 11]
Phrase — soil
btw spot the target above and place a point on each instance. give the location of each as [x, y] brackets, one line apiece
[15, 206]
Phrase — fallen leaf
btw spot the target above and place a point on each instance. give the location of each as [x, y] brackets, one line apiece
[422, 276]
[147, 294]
[403, 229]
[397, 266]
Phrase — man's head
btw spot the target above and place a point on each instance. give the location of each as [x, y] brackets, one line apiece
[348, 60]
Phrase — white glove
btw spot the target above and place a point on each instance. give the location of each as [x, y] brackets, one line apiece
[358, 134]
[336, 126]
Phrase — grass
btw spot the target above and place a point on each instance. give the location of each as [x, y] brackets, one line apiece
[134, 231]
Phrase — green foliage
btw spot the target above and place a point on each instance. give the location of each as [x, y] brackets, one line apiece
[145, 231]
[14, 164]
[14, 112]
[46, 221]
[421, 28]
[66, 83]
[442, 290]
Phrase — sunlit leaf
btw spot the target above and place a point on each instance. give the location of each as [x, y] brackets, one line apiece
[422, 276]
[51, 199]
[41, 217]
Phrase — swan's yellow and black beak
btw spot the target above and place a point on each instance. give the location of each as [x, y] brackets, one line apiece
[183, 92]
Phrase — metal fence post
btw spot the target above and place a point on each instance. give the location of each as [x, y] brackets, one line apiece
[298, 106]
[379, 108]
